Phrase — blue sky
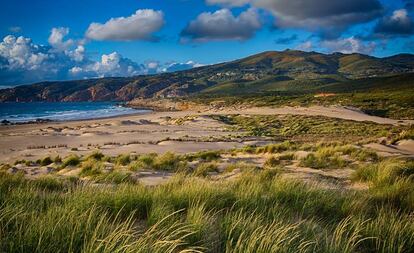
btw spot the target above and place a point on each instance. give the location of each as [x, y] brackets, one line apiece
[89, 38]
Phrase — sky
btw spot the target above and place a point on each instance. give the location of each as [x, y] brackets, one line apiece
[77, 39]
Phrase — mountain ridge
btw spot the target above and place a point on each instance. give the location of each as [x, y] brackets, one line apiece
[287, 71]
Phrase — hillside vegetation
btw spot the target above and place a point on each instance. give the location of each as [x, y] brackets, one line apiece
[287, 72]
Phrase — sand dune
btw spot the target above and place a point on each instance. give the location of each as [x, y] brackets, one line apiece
[348, 113]
[156, 132]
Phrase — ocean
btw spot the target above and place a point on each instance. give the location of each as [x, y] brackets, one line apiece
[62, 111]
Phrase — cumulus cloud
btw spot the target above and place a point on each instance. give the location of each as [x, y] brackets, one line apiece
[22, 61]
[399, 23]
[223, 25]
[139, 26]
[305, 46]
[229, 2]
[110, 65]
[327, 17]
[56, 38]
[315, 14]
[177, 66]
[21, 53]
[348, 46]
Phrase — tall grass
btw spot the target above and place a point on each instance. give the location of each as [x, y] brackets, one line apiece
[258, 212]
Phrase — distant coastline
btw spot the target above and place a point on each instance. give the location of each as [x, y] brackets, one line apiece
[13, 113]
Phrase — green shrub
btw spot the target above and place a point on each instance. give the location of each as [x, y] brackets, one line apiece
[323, 158]
[20, 162]
[365, 155]
[148, 159]
[91, 168]
[123, 160]
[5, 167]
[46, 161]
[406, 134]
[287, 156]
[386, 172]
[57, 160]
[71, 160]
[207, 156]
[277, 148]
[272, 162]
[136, 166]
[391, 182]
[169, 162]
[96, 155]
[203, 169]
[115, 177]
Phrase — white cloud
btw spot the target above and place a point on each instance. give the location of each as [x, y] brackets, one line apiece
[223, 25]
[78, 54]
[229, 2]
[399, 23]
[21, 53]
[177, 66]
[22, 61]
[327, 16]
[110, 65]
[348, 46]
[305, 46]
[139, 26]
[56, 39]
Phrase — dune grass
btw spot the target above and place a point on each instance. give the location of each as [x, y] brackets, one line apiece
[257, 212]
[310, 127]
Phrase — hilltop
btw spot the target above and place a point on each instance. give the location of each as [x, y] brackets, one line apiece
[290, 71]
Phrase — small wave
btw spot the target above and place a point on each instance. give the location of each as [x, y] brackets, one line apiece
[17, 112]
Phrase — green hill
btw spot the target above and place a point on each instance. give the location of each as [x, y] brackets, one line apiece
[290, 71]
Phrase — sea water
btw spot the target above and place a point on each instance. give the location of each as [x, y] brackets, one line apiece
[62, 111]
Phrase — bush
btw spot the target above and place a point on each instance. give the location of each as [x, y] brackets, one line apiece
[71, 160]
[203, 169]
[324, 157]
[207, 156]
[136, 165]
[386, 172]
[46, 161]
[287, 157]
[115, 177]
[91, 168]
[391, 182]
[96, 155]
[272, 162]
[169, 162]
[5, 167]
[57, 160]
[123, 160]
[148, 160]
[277, 148]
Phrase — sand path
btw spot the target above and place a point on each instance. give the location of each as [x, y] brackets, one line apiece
[339, 112]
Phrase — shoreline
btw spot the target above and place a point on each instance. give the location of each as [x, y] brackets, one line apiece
[34, 123]
[42, 121]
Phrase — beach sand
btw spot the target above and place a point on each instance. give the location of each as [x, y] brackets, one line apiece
[145, 133]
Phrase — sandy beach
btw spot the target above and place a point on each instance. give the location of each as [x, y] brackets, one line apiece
[157, 132]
